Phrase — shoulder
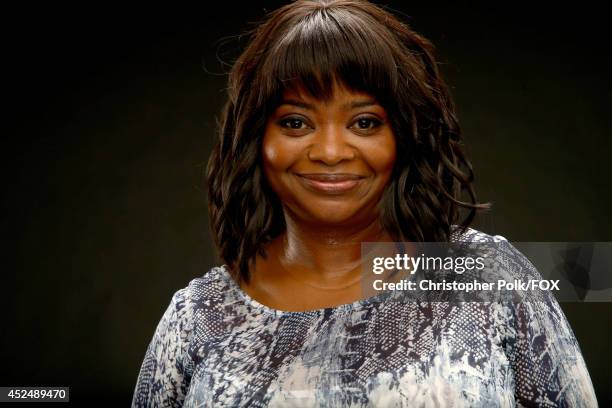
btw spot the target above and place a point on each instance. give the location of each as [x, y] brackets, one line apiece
[505, 258]
[474, 235]
[200, 292]
[213, 284]
[217, 306]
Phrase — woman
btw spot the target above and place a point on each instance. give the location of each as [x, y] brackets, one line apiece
[339, 130]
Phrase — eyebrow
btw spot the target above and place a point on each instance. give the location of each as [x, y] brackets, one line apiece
[299, 104]
[347, 106]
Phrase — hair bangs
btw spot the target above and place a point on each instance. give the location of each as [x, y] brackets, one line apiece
[318, 52]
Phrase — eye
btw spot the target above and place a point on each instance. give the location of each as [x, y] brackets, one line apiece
[366, 124]
[292, 123]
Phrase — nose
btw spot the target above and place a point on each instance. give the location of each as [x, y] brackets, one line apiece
[331, 146]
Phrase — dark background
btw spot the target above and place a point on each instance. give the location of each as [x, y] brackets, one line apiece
[110, 119]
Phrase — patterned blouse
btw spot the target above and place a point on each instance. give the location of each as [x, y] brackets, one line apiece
[217, 347]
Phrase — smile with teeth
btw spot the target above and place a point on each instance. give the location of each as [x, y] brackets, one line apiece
[331, 183]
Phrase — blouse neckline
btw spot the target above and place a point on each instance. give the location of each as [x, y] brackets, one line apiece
[346, 307]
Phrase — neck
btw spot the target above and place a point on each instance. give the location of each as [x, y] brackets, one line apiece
[324, 253]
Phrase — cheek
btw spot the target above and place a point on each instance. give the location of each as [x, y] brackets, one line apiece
[274, 153]
[270, 154]
[381, 155]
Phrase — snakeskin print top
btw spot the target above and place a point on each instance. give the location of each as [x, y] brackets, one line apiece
[217, 347]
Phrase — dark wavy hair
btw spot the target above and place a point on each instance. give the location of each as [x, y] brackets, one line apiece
[307, 45]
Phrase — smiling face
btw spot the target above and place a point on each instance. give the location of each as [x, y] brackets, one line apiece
[329, 161]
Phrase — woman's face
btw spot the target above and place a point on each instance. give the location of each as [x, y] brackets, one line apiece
[329, 161]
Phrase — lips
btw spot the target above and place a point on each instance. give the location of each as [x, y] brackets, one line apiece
[331, 183]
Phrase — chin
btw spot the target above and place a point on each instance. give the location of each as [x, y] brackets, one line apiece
[325, 216]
